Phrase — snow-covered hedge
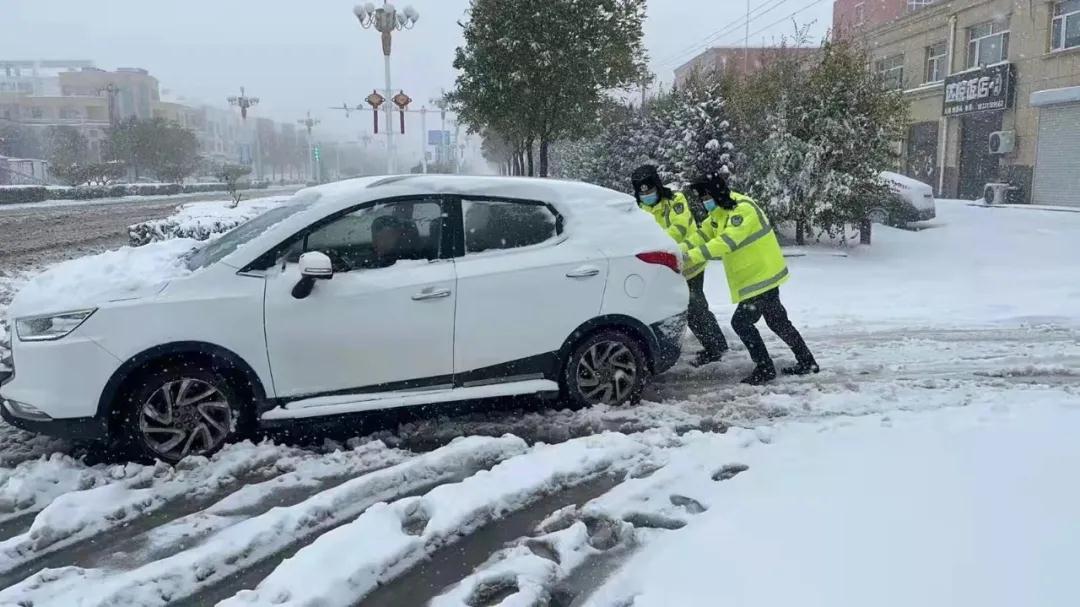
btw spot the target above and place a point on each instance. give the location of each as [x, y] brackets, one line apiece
[16, 194]
[200, 221]
[23, 194]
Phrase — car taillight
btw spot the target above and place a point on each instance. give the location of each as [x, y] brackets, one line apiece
[662, 258]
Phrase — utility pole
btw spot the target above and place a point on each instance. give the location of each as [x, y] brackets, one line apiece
[423, 138]
[309, 123]
[746, 43]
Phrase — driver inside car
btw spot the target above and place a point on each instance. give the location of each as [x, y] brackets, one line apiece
[388, 236]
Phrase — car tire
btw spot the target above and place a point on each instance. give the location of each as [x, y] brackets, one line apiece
[607, 367]
[178, 409]
[879, 215]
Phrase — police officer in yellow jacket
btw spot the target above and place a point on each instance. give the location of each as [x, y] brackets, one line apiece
[672, 212]
[738, 232]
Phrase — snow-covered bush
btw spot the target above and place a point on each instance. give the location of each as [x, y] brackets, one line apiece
[200, 221]
[22, 193]
[823, 131]
[693, 132]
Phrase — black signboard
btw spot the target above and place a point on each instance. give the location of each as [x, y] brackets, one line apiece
[986, 89]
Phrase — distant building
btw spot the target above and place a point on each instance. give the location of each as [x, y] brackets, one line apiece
[994, 94]
[36, 77]
[854, 16]
[40, 94]
[737, 60]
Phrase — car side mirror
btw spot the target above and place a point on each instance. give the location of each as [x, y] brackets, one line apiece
[313, 266]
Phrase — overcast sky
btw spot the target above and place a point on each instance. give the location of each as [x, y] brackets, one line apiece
[311, 55]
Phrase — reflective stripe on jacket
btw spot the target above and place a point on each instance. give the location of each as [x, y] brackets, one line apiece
[674, 215]
[745, 240]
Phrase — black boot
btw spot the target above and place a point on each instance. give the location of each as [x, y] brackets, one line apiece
[802, 368]
[706, 357]
[762, 374]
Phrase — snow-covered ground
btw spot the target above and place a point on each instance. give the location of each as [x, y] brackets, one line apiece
[930, 463]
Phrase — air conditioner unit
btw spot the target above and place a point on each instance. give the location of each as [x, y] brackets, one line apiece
[1002, 142]
[995, 193]
[1002, 193]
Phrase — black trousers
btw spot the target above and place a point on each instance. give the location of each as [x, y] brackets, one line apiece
[702, 321]
[767, 305]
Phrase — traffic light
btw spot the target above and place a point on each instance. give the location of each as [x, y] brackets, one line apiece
[317, 152]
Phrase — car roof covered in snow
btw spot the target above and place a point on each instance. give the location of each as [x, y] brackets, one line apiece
[559, 192]
[604, 211]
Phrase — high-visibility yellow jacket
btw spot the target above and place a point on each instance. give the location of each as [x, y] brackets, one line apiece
[673, 214]
[746, 241]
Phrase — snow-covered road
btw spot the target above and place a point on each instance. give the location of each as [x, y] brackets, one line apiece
[929, 464]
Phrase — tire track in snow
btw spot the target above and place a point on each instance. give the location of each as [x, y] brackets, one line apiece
[81, 523]
[574, 549]
[308, 478]
[248, 542]
[403, 533]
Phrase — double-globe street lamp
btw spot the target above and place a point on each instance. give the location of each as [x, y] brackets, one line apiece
[386, 20]
[245, 103]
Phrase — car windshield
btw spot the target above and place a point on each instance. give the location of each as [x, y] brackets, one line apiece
[216, 250]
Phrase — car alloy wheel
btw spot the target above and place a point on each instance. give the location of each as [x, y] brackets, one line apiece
[185, 417]
[878, 216]
[607, 373]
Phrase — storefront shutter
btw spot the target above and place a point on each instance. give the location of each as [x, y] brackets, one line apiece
[1057, 167]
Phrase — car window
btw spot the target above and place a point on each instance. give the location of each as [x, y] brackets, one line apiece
[216, 250]
[496, 225]
[378, 236]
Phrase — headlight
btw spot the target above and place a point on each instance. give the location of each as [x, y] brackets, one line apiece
[50, 326]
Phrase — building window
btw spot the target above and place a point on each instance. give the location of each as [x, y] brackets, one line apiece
[914, 5]
[68, 113]
[936, 61]
[891, 71]
[37, 113]
[860, 13]
[988, 43]
[1065, 32]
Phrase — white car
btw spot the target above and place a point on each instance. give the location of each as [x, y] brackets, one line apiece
[912, 200]
[368, 294]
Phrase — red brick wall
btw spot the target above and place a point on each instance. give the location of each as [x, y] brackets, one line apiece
[875, 12]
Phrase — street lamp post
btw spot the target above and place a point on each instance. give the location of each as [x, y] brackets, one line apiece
[244, 102]
[309, 123]
[386, 20]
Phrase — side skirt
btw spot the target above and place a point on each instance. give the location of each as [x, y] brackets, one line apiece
[357, 403]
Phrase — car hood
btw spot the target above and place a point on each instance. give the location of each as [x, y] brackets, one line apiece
[95, 280]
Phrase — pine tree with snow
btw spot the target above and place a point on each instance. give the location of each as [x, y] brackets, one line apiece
[694, 129]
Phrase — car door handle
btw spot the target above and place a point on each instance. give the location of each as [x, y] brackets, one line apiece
[583, 272]
[431, 293]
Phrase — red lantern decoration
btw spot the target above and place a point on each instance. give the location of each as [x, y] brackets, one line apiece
[375, 100]
[402, 101]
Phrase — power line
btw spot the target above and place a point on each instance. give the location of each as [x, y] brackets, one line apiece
[779, 21]
[758, 12]
[792, 15]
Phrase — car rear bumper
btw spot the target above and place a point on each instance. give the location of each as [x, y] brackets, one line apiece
[669, 334]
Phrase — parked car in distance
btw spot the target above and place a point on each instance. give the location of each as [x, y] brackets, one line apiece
[368, 294]
[912, 201]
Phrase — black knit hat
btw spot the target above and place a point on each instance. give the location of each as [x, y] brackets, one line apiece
[714, 185]
[645, 178]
